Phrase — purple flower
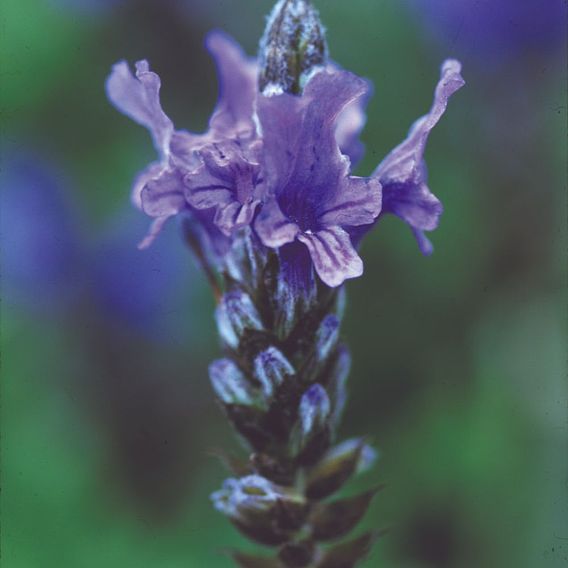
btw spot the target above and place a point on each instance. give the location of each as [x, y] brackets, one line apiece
[312, 196]
[41, 257]
[403, 173]
[494, 32]
[281, 163]
[230, 181]
[160, 190]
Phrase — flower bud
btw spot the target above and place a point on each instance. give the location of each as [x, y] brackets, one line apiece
[261, 509]
[229, 383]
[313, 430]
[293, 46]
[326, 336]
[246, 259]
[271, 367]
[338, 374]
[235, 314]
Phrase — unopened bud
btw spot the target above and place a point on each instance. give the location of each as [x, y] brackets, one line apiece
[271, 367]
[292, 47]
[313, 430]
[229, 383]
[235, 314]
[261, 509]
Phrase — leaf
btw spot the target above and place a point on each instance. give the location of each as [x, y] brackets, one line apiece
[251, 561]
[349, 554]
[262, 533]
[297, 554]
[237, 466]
[334, 469]
[336, 519]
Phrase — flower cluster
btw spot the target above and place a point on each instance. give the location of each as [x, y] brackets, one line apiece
[279, 163]
[269, 202]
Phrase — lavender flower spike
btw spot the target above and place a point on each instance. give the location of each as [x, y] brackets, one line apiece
[269, 202]
[403, 172]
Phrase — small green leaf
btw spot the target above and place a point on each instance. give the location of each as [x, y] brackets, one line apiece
[297, 554]
[334, 469]
[336, 519]
[251, 561]
[349, 554]
[237, 466]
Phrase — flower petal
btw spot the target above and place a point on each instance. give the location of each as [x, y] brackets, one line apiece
[273, 228]
[404, 163]
[424, 244]
[235, 215]
[358, 204]
[139, 98]
[403, 172]
[302, 155]
[150, 172]
[237, 85]
[162, 197]
[350, 123]
[204, 190]
[333, 255]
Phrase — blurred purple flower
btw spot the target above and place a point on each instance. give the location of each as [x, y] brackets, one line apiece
[40, 256]
[494, 31]
[141, 290]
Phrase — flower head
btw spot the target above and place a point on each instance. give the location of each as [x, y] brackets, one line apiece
[229, 181]
[277, 157]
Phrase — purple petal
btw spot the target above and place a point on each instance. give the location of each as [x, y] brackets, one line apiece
[424, 244]
[358, 204]
[149, 173]
[273, 228]
[404, 163]
[350, 123]
[162, 198]
[184, 147]
[139, 98]
[237, 85]
[333, 255]
[415, 204]
[234, 216]
[204, 190]
[403, 172]
[302, 156]
[227, 182]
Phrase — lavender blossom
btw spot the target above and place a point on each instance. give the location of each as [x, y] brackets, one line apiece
[160, 190]
[403, 172]
[312, 196]
[274, 214]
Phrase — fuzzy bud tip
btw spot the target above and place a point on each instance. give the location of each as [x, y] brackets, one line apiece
[292, 47]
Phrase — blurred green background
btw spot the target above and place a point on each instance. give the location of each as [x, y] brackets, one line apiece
[460, 360]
